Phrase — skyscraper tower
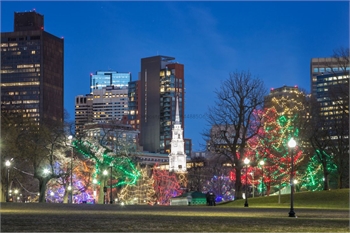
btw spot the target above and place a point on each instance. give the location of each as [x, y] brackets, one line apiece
[32, 70]
[160, 81]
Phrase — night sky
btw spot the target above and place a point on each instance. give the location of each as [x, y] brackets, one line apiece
[275, 41]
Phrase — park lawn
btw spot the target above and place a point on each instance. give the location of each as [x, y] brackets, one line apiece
[332, 199]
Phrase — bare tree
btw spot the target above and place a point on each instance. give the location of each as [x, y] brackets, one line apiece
[232, 119]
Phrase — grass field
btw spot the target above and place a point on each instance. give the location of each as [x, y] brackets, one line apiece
[338, 198]
[325, 211]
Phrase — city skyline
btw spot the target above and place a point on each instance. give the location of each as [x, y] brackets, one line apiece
[273, 40]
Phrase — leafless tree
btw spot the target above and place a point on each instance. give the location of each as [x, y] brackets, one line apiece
[232, 119]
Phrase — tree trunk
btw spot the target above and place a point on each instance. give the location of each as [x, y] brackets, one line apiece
[238, 184]
[325, 182]
[42, 189]
[101, 193]
[65, 196]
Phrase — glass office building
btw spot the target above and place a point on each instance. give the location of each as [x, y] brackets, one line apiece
[109, 78]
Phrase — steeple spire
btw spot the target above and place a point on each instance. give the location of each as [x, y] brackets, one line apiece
[177, 115]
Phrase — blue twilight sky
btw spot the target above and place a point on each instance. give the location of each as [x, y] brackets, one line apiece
[273, 40]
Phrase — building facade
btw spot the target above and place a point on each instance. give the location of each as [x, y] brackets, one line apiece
[134, 104]
[161, 80]
[83, 112]
[326, 65]
[32, 76]
[102, 79]
[109, 104]
[108, 100]
[333, 97]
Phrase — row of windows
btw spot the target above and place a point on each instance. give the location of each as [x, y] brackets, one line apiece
[23, 92]
[155, 160]
[20, 84]
[20, 71]
[28, 66]
[332, 113]
[111, 96]
[328, 69]
[21, 102]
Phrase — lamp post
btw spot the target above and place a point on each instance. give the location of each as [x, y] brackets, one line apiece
[262, 176]
[94, 181]
[110, 192]
[291, 145]
[105, 173]
[70, 187]
[246, 162]
[252, 173]
[8, 164]
[15, 197]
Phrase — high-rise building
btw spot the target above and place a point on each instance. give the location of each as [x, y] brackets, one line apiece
[134, 104]
[109, 104]
[108, 100]
[161, 80]
[333, 96]
[83, 112]
[32, 70]
[325, 65]
[109, 78]
[286, 93]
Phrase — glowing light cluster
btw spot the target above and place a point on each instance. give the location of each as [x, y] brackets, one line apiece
[142, 192]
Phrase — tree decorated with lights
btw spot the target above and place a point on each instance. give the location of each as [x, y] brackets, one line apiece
[123, 169]
[165, 185]
[142, 192]
[283, 117]
[314, 179]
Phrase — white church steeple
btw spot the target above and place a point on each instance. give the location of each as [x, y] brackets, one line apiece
[177, 156]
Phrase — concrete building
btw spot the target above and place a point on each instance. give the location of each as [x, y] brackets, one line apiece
[32, 70]
[83, 112]
[109, 104]
[287, 93]
[134, 94]
[108, 100]
[116, 136]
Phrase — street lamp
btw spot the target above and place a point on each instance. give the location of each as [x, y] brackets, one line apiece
[246, 162]
[105, 173]
[262, 176]
[110, 194]
[291, 145]
[252, 173]
[16, 192]
[46, 172]
[94, 181]
[70, 187]
[8, 164]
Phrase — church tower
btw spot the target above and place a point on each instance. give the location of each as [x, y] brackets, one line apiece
[177, 156]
